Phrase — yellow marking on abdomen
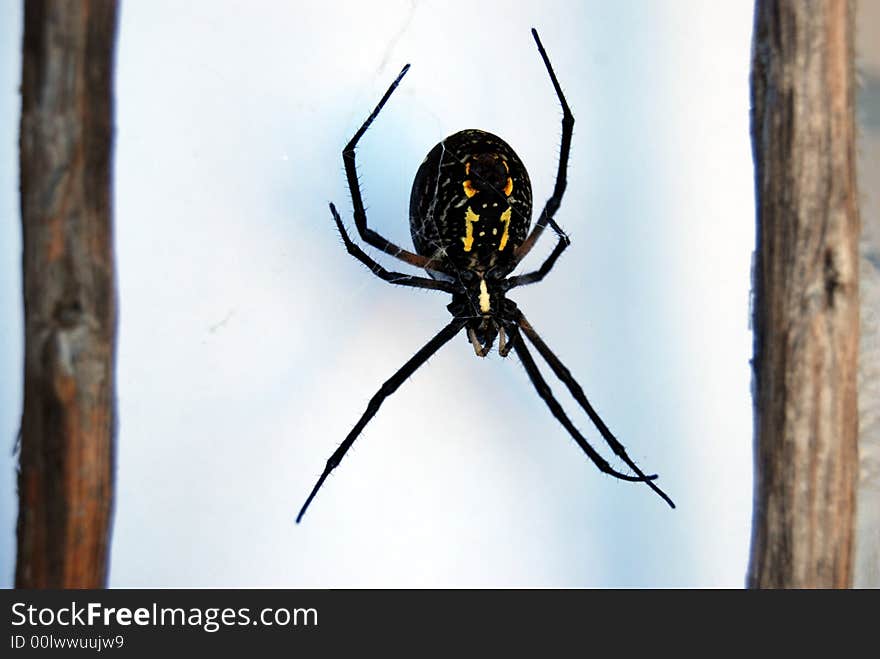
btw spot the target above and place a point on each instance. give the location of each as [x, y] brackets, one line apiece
[469, 218]
[505, 218]
[509, 187]
[469, 189]
[485, 306]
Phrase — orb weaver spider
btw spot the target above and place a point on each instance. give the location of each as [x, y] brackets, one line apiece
[470, 211]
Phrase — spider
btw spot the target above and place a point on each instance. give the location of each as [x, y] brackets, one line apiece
[470, 211]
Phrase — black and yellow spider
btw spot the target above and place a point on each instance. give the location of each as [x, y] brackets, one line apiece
[470, 211]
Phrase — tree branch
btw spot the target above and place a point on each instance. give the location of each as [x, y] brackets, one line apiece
[806, 312]
[68, 422]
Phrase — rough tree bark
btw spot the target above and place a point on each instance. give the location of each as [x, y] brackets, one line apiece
[68, 422]
[806, 311]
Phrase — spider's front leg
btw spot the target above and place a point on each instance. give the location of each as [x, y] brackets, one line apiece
[565, 376]
[388, 388]
[547, 396]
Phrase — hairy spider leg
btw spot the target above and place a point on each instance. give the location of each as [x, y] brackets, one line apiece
[391, 277]
[546, 394]
[390, 386]
[555, 199]
[560, 370]
[546, 266]
[360, 214]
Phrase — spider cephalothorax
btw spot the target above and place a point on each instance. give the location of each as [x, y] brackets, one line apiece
[470, 212]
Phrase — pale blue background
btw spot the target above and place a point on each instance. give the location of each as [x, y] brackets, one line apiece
[250, 342]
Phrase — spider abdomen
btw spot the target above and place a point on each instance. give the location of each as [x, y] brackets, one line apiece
[471, 202]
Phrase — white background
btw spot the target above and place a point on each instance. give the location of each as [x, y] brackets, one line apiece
[250, 342]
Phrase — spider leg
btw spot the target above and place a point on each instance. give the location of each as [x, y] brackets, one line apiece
[578, 394]
[555, 199]
[379, 397]
[546, 394]
[547, 266]
[360, 214]
[379, 271]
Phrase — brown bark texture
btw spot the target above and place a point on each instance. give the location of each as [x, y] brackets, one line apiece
[806, 304]
[68, 421]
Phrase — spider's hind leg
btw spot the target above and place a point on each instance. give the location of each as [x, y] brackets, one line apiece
[555, 200]
[389, 276]
[368, 235]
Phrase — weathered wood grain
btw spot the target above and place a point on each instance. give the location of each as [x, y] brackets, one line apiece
[68, 421]
[806, 306]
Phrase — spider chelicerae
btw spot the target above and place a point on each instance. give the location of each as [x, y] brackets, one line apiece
[470, 211]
